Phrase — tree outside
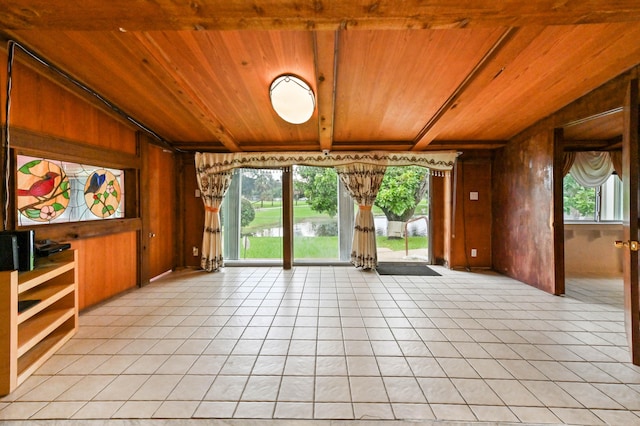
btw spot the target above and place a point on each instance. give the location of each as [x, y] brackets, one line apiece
[316, 205]
[260, 185]
[579, 202]
[247, 212]
[319, 185]
[401, 190]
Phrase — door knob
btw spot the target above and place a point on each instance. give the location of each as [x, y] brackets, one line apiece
[152, 234]
[633, 245]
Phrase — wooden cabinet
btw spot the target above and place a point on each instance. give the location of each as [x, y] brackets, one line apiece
[38, 314]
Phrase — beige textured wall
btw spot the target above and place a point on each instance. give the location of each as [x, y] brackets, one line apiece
[588, 248]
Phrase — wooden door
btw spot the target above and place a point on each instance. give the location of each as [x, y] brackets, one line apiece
[158, 195]
[631, 215]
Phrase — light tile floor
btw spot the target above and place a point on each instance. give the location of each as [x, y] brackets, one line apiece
[339, 343]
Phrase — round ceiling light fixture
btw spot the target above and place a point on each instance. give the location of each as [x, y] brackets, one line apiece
[292, 99]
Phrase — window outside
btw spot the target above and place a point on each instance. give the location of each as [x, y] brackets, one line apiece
[599, 204]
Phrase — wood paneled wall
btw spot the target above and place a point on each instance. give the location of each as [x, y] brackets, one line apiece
[471, 229]
[191, 209]
[523, 208]
[3, 121]
[106, 266]
[40, 105]
[528, 234]
[459, 223]
[158, 196]
[53, 120]
[3, 83]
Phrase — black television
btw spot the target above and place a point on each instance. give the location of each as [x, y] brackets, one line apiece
[26, 248]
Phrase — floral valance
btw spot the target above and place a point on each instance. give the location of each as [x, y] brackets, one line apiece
[215, 163]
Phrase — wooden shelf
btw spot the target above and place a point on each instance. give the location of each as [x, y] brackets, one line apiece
[47, 296]
[29, 338]
[32, 360]
[47, 268]
[33, 331]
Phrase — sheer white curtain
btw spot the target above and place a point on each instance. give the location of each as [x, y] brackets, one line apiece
[363, 182]
[213, 186]
[592, 169]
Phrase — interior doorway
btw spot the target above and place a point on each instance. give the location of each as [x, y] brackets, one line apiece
[600, 220]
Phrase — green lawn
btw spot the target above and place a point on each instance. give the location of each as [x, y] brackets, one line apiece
[262, 248]
[396, 244]
[271, 217]
[307, 247]
[265, 218]
[316, 247]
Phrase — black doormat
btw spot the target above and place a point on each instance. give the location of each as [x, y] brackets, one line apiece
[406, 268]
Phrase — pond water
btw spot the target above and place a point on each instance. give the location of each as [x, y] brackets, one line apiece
[330, 228]
[304, 229]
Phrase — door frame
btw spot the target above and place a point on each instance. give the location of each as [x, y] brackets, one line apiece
[558, 212]
[631, 214]
[624, 91]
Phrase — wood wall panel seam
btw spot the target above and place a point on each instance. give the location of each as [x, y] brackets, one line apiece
[32, 143]
[65, 232]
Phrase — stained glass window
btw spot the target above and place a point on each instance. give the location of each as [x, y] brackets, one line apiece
[50, 191]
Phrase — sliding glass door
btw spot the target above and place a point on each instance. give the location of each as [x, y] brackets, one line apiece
[252, 215]
[320, 220]
[323, 216]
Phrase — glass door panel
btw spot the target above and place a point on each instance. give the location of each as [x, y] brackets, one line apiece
[315, 214]
[402, 223]
[252, 215]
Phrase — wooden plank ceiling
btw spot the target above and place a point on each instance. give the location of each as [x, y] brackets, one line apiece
[418, 75]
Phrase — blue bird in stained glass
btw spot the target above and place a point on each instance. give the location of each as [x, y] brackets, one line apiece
[95, 183]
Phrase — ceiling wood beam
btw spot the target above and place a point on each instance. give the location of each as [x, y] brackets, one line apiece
[278, 146]
[206, 146]
[326, 53]
[188, 95]
[479, 73]
[317, 14]
[465, 145]
[253, 147]
[368, 145]
[592, 145]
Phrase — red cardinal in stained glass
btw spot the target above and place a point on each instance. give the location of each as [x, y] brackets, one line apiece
[40, 188]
